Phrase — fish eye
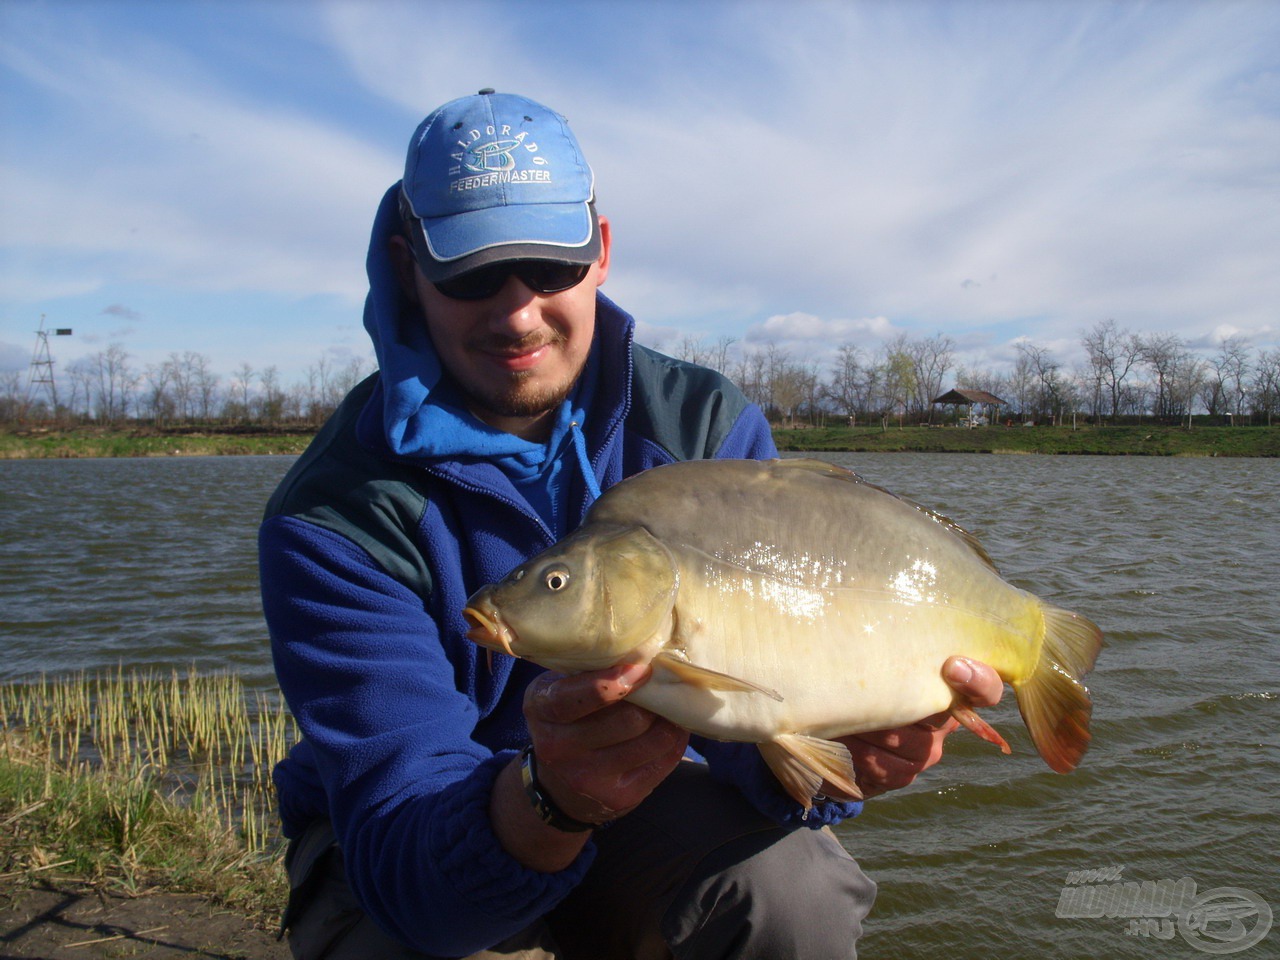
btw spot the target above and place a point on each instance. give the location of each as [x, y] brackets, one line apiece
[557, 579]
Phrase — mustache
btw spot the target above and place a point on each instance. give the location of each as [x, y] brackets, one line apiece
[514, 346]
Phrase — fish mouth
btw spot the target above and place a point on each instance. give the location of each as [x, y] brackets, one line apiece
[489, 631]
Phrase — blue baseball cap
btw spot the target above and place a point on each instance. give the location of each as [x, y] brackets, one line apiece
[496, 177]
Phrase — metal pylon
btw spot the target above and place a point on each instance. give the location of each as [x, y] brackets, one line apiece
[40, 380]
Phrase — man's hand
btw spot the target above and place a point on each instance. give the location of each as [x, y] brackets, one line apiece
[598, 757]
[891, 759]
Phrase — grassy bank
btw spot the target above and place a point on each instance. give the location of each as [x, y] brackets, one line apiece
[1115, 441]
[135, 780]
[147, 442]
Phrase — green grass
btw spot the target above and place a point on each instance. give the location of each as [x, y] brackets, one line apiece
[1114, 441]
[107, 442]
[141, 779]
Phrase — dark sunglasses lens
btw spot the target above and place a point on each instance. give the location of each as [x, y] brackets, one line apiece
[476, 284]
[537, 275]
[551, 277]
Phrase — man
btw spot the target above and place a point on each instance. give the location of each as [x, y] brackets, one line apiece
[442, 803]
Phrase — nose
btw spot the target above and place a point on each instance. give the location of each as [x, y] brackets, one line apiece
[515, 310]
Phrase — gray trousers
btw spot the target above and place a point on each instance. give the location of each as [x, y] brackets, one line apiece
[694, 873]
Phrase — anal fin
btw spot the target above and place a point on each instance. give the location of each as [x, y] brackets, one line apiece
[707, 679]
[802, 764]
[971, 721]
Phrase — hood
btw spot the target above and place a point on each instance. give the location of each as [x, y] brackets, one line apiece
[422, 415]
[417, 414]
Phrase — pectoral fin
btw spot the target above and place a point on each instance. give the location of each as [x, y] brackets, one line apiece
[802, 763]
[697, 676]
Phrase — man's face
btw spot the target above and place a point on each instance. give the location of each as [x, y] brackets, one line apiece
[516, 354]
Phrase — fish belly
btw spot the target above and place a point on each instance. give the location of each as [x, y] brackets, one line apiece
[840, 660]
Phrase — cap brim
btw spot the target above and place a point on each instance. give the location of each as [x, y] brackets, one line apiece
[447, 247]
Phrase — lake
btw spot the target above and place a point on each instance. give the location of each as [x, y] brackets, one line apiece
[152, 562]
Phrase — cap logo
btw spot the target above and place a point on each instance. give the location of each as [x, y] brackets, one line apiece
[493, 161]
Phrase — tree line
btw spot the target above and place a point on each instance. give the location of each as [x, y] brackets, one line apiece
[1124, 376]
[109, 388]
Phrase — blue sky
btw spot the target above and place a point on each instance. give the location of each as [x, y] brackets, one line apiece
[185, 176]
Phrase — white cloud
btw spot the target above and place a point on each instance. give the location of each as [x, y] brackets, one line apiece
[986, 170]
[204, 190]
[804, 328]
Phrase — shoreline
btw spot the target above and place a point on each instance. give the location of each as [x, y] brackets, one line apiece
[139, 814]
[1165, 441]
[68, 919]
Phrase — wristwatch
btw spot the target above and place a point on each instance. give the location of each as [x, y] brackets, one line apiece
[543, 805]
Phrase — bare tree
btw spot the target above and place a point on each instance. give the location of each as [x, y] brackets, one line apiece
[184, 372]
[1232, 364]
[272, 401]
[718, 359]
[692, 350]
[931, 358]
[350, 374]
[780, 388]
[1022, 385]
[792, 386]
[1185, 378]
[847, 387]
[204, 381]
[113, 382]
[1160, 352]
[1112, 355]
[1047, 392]
[1264, 389]
[80, 376]
[242, 391]
[13, 394]
[158, 396]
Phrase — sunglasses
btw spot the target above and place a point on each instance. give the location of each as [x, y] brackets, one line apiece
[540, 276]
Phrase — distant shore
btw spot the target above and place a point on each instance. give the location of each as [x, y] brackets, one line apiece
[55, 443]
[1159, 441]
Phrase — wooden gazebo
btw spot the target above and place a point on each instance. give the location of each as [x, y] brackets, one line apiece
[971, 398]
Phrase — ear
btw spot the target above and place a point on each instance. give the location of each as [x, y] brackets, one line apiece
[606, 244]
[405, 266]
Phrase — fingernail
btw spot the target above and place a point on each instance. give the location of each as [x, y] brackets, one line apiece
[959, 670]
[631, 674]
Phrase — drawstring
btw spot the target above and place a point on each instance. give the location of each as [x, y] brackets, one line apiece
[589, 475]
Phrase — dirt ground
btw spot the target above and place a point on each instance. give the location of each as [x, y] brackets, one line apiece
[72, 922]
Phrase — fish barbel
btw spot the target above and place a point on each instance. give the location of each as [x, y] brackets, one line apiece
[788, 603]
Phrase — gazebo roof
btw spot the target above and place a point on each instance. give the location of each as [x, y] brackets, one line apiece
[968, 396]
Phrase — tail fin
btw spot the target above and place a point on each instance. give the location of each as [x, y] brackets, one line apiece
[1054, 703]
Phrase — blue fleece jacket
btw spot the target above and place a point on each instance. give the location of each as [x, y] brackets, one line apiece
[402, 507]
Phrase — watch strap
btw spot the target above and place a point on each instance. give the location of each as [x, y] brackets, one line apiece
[543, 805]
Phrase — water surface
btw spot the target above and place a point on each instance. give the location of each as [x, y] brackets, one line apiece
[152, 562]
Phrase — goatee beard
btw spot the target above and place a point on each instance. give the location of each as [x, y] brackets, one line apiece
[521, 400]
[518, 398]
